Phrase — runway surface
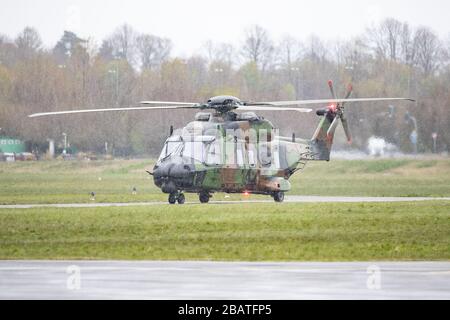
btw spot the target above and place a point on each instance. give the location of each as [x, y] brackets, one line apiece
[288, 199]
[223, 280]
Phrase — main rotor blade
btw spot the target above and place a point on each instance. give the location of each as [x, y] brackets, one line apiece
[270, 108]
[42, 114]
[169, 103]
[323, 101]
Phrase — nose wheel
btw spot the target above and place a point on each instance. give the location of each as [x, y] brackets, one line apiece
[278, 196]
[177, 197]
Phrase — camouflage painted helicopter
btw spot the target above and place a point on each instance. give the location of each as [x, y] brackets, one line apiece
[226, 151]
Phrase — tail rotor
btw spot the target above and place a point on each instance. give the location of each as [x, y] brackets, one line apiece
[338, 110]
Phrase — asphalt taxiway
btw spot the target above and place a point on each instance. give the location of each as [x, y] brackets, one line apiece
[223, 280]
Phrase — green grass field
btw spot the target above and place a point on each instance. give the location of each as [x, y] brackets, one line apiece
[248, 232]
[112, 181]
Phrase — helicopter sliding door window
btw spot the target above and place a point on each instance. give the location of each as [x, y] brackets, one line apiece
[230, 146]
[240, 154]
[265, 156]
[251, 155]
[213, 154]
[269, 155]
[276, 156]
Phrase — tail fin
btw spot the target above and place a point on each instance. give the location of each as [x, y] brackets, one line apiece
[322, 140]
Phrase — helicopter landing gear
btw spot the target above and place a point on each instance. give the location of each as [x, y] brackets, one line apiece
[278, 196]
[204, 197]
[172, 198]
[177, 197]
[181, 198]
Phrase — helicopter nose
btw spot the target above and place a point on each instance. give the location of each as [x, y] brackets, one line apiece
[181, 171]
[172, 170]
[174, 176]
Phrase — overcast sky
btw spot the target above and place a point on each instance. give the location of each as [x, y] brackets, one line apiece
[189, 23]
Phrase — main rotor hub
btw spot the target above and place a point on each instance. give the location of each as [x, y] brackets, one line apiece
[223, 104]
[220, 100]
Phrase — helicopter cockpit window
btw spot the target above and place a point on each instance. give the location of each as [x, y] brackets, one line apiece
[194, 150]
[170, 147]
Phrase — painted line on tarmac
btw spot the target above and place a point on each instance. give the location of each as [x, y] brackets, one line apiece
[289, 199]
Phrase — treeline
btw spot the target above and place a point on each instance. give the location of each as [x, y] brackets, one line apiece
[390, 59]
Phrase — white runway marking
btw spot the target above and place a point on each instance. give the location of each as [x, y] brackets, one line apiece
[224, 280]
[289, 199]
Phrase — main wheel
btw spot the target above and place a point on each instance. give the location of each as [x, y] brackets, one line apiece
[203, 197]
[181, 198]
[278, 196]
[172, 198]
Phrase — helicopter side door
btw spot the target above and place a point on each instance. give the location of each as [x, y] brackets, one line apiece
[271, 164]
[242, 164]
[213, 163]
[251, 165]
[234, 171]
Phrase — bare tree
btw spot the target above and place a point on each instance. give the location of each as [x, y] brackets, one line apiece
[3, 39]
[106, 51]
[28, 42]
[258, 47]
[393, 29]
[428, 50]
[447, 50]
[289, 51]
[121, 44]
[386, 39]
[316, 49]
[223, 53]
[8, 51]
[406, 44]
[209, 48]
[152, 50]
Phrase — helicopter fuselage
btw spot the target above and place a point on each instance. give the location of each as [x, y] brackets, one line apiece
[232, 153]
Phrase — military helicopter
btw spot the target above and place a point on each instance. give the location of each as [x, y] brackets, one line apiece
[226, 151]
